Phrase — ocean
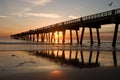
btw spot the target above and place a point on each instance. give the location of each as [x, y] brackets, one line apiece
[19, 56]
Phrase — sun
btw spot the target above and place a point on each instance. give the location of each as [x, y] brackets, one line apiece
[56, 35]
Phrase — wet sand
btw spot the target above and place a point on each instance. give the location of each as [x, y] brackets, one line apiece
[23, 65]
[17, 62]
[101, 73]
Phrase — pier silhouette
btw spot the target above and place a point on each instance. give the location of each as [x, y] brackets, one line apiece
[92, 22]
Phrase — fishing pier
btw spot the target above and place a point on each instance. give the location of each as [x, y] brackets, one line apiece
[92, 22]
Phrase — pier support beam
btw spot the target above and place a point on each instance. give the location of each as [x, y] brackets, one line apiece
[37, 37]
[115, 35]
[91, 37]
[98, 36]
[52, 36]
[42, 37]
[30, 37]
[33, 37]
[81, 40]
[77, 36]
[49, 36]
[58, 36]
[71, 36]
[64, 36]
[46, 37]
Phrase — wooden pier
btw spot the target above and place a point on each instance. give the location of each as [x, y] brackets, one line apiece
[92, 22]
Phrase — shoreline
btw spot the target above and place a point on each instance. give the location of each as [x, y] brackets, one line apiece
[32, 47]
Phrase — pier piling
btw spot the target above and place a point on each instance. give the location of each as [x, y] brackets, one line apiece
[77, 36]
[63, 36]
[98, 36]
[71, 41]
[115, 35]
[91, 36]
[82, 35]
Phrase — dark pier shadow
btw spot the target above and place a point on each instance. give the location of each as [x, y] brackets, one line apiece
[114, 57]
[71, 58]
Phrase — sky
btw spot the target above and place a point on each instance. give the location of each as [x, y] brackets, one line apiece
[22, 15]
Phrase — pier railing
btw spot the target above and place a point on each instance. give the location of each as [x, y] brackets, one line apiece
[101, 15]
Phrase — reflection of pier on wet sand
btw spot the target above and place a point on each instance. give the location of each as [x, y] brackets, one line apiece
[92, 22]
[76, 58]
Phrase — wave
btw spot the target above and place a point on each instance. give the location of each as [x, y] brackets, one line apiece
[11, 44]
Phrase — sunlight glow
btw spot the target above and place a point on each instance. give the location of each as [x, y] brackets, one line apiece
[57, 36]
[56, 72]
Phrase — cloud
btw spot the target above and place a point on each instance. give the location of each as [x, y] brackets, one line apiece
[4, 16]
[73, 17]
[39, 2]
[45, 15]
[18, 14]
[21, 12]
[27, 9]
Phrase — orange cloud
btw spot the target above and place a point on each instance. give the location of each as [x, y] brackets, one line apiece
[4, 16]
[46, 15]
[39, 2]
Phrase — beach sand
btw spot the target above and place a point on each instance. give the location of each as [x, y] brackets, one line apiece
[101, 73]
